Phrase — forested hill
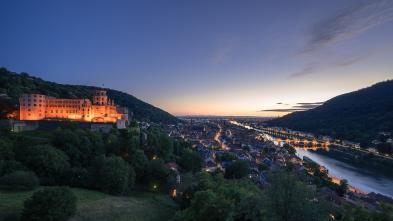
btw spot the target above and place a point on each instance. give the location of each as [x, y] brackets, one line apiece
[12, 85]
[356, 116]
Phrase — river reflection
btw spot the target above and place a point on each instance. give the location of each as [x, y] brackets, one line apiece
[363, 179]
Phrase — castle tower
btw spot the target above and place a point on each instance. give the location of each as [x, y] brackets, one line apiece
[100, 98]
[32, 107]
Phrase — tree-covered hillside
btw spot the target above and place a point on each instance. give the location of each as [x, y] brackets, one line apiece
[357, 116]
[12, 85]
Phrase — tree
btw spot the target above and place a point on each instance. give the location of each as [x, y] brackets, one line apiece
[191, 161]
[290, 200]
[159, 144]
[6, 150]
[385, 148]
[19, 180]
[9, 166]
[156, 172]
[250, 208]
[342, 189]
[237, 170]
[49, 163]
[263, 167]
[291, 150]
[207, 206]
[131, 178]
[139, 161]
[227, 157]
[112, 175]
[79, 177]
[220, 199]
[50, 204]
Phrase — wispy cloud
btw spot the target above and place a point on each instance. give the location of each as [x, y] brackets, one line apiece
[296, 107]
[350, 23]
[313, 68]
[308, 103]
[308, 69]
[350, 61]
[221, 54]
[283, 110]
[308, 106]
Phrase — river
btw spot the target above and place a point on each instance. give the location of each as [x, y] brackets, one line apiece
[366, 180]
[363, 179]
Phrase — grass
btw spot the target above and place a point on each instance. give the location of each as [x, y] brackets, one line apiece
[97, 206]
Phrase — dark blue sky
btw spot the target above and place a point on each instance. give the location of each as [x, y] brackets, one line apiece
[203, 57]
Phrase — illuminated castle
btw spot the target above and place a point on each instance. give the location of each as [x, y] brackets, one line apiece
[40, 107]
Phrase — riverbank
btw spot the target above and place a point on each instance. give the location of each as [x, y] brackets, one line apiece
[359, 159]
[365, 179]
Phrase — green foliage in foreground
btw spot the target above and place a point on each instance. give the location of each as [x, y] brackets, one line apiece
[50, 204]
[237, 170]
[112, 175]
[97, 206]
[215, 198]
[360, 214]
[111, 162]
[19, 180]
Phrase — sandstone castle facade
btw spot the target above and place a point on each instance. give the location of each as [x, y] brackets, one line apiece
[41, 107]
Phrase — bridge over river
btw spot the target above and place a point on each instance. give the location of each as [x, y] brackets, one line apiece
[365, 178]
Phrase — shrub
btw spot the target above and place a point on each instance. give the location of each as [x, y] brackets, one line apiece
[156, 172]
[6, 150]
[19, 180]
[237, 170]
[112, 175]
[49, 163]
[50, 204]
[191, 161]
[9, 166]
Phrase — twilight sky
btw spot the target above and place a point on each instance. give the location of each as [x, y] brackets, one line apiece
[216, 57]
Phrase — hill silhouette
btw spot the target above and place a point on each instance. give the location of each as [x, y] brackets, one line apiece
[356, 116]
[12, 85]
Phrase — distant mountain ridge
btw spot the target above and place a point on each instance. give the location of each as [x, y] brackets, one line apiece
[12, 85]
[356, 116]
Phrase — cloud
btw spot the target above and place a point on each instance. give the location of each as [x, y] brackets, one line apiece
[297, 107]
[318, 103]
[221, 55]
[283, 110]
[350, 61]
[350, 23]
[310, 68]
[308, 106]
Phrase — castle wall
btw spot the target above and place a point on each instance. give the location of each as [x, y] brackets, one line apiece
[39, 107]
[73, 109]
[32, 106]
